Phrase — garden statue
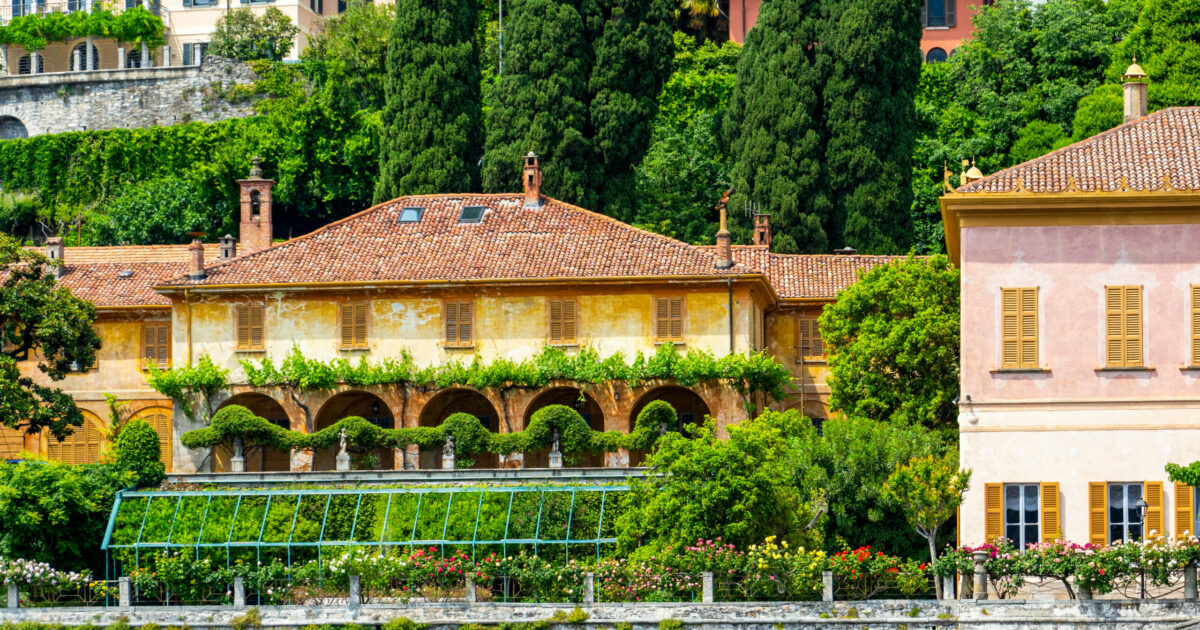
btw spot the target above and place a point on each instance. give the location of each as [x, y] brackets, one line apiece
[556, 458]
[342, 441]
[448, 453]
[343, 458]
[238, 462]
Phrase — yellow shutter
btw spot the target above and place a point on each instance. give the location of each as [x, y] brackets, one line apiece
[465, 321]
[662, 318]
[1010, 328]
[452, 322]
[1114, 352]
[164, 345]
[1123, 326]
[360, 325]
[1051, 522]
[347, 312]
[1196, 325]
[1098, 513]
[149, 345]
[1133, 330]
[1028, 330]
[1185, 511]
[12, 442]
[993, 511]
[556, 321]
[243, 325]
[568, 321]
[256, 325]
[1154, 509]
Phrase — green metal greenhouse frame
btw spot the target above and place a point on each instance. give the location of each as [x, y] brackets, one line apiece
[108, 545]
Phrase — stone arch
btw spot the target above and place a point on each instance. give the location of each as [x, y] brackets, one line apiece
[936, 55]
[84, 446]
[81, 48]
[354, 403]
[160, 419]
[11, 128]
[690, 408]
[258, 459]
[570, 397]
[458, 400]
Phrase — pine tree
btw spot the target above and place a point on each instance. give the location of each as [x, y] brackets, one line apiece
[873, 51]
[432, 134]
[774, 124]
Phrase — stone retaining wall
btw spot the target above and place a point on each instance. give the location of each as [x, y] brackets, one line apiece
[37, 104]
[894, 614]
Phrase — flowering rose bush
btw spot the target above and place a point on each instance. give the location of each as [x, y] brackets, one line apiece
[861, 574]
[773, 571]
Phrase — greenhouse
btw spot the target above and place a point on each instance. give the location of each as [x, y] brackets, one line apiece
[301, 525]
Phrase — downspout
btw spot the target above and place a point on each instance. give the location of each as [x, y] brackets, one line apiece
[729, 282]
[187, 305]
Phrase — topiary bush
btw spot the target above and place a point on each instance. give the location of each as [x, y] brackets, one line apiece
[650, 422]
[138, 451]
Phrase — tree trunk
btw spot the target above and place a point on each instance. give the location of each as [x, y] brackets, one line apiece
[937, 584]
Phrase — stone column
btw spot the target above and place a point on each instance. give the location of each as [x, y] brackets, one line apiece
[412, 457]
[4, 59]
[589, 588]
[125, 593]
[14, 600]
[948, 587]
[90, 52]
[827, 586]
[145, 55]
[1189, 582]
[166, 58]
[469, 592]
[355, 591]
[239, 592]
[77, 60]
[35, 62]
[980, 558]
[706, 592]
[120, 58]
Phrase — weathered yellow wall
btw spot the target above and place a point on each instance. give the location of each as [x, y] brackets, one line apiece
[511, 325]
[809, 392]
[118, 369]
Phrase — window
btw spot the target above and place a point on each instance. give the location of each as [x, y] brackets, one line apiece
[563, 328]
[1123, 521]
[809, 345]
[411, 215]
[1195, 325]
[1021, 501]
[81, 50]
[471, 214]
[255, 204]
[156, 345]
[459, 318]
[757, 335]
[193, 54]
[133, 58]
[938, 13]
[1123, 324]
[1019, 328]
[25, 64]
[81, 447]
[668, 319]
[317, 6]
[249, 326]
[354, 325]
[21, 8]
[936, 55]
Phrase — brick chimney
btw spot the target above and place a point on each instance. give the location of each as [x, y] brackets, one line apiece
[724, 245]
[55, 251]
[196, 260]
[256, 231]
[228, 247]
[532, 181]
[762, 230]
[1135, 86]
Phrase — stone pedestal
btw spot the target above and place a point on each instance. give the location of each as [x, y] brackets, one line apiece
[556, 459]
[237, 464]
[980, 558]
[124, 593]
[145, 55]
[77, 60]
[166, 58]
[447, 462]
[469, 592]
[13, 596]
[343, 462]
[589, 588]
[355, 591]
[239, 592]
[948, 587]
[1189, 582]
[827, 586]
[706, 593]
[120, 58]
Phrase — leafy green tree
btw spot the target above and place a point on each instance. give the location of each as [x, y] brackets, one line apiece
[432, 132]
[57, 513]
[893, 340]
[241, 35]
[349, 52]
[157, 211]
[739, 489]
[775, 124]
[40, 321]
[138, 451]
[929, 491]
[850, 463]
[1036, 139]
[873, 50]
[1166, 42]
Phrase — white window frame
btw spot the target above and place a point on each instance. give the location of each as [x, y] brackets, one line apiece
[1021, 524]
[1127, 507]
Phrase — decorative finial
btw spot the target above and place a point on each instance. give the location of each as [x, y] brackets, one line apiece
[256, 167]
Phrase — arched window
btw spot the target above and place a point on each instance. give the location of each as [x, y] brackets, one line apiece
[81, 447]
[133, 58]
[936, 55]
[81, 48]
[255, 203]
[11, 128]
[25, 64]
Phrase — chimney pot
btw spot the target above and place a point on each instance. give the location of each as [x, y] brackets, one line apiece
[532, 181]
[724, 245]
[1135, 88]
[196, 260]
[228, 247]
[762, 230]
[55, 251]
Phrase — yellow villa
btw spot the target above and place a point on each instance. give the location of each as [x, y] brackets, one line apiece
[443, 278]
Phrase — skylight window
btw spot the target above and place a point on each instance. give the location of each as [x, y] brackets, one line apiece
[471, 214]
[411, 215]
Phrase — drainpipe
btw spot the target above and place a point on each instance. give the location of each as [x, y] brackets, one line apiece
[729, 282]
[187, 306]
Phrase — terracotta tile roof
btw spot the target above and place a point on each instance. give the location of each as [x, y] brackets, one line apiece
[808, 275]
[1143, 152]
[511, 242]
[102, 284]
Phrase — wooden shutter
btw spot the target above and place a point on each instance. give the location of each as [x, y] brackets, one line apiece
[451, 322]
[1185, 511]
[950, 13]
[1123, 326]
[256, 325]
[156, 345]
[1028, 329]
[562, 321]
[993, 511]
[458, 323]
[662, 318]
[1195, 325]
[465, 322]
[1154, 509]
[12, 442]
[808, 338]
[1051, 521]
[1019, 328]
[354, 325]
[568, 321]
[1098, 513]
[347, 325]
[676, 330]
[242, 315]
[249, 326]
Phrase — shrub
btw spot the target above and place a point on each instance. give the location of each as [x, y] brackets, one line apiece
[138, 451]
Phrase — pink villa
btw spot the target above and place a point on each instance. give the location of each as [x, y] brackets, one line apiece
[947, 23]
[1081, 334]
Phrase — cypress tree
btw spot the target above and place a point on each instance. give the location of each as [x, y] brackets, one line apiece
[873, 49]
[540, 103]
[774, 124]
[432, 134]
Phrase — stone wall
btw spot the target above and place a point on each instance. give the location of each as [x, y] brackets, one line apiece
[893, 615]
[32, 105]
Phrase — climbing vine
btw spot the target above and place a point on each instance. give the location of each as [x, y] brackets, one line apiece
[470, 436]
[35, 32]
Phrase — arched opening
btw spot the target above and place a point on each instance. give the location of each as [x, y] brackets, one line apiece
[577, 400]
[936, 55]
[12, 129]
[263, 458]
[364, 405]
[453, 401]
[25, 64]
[133, 59]
[160, 419]
[255, 203]
[84, 446]
[81, 48]
[690, 408]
